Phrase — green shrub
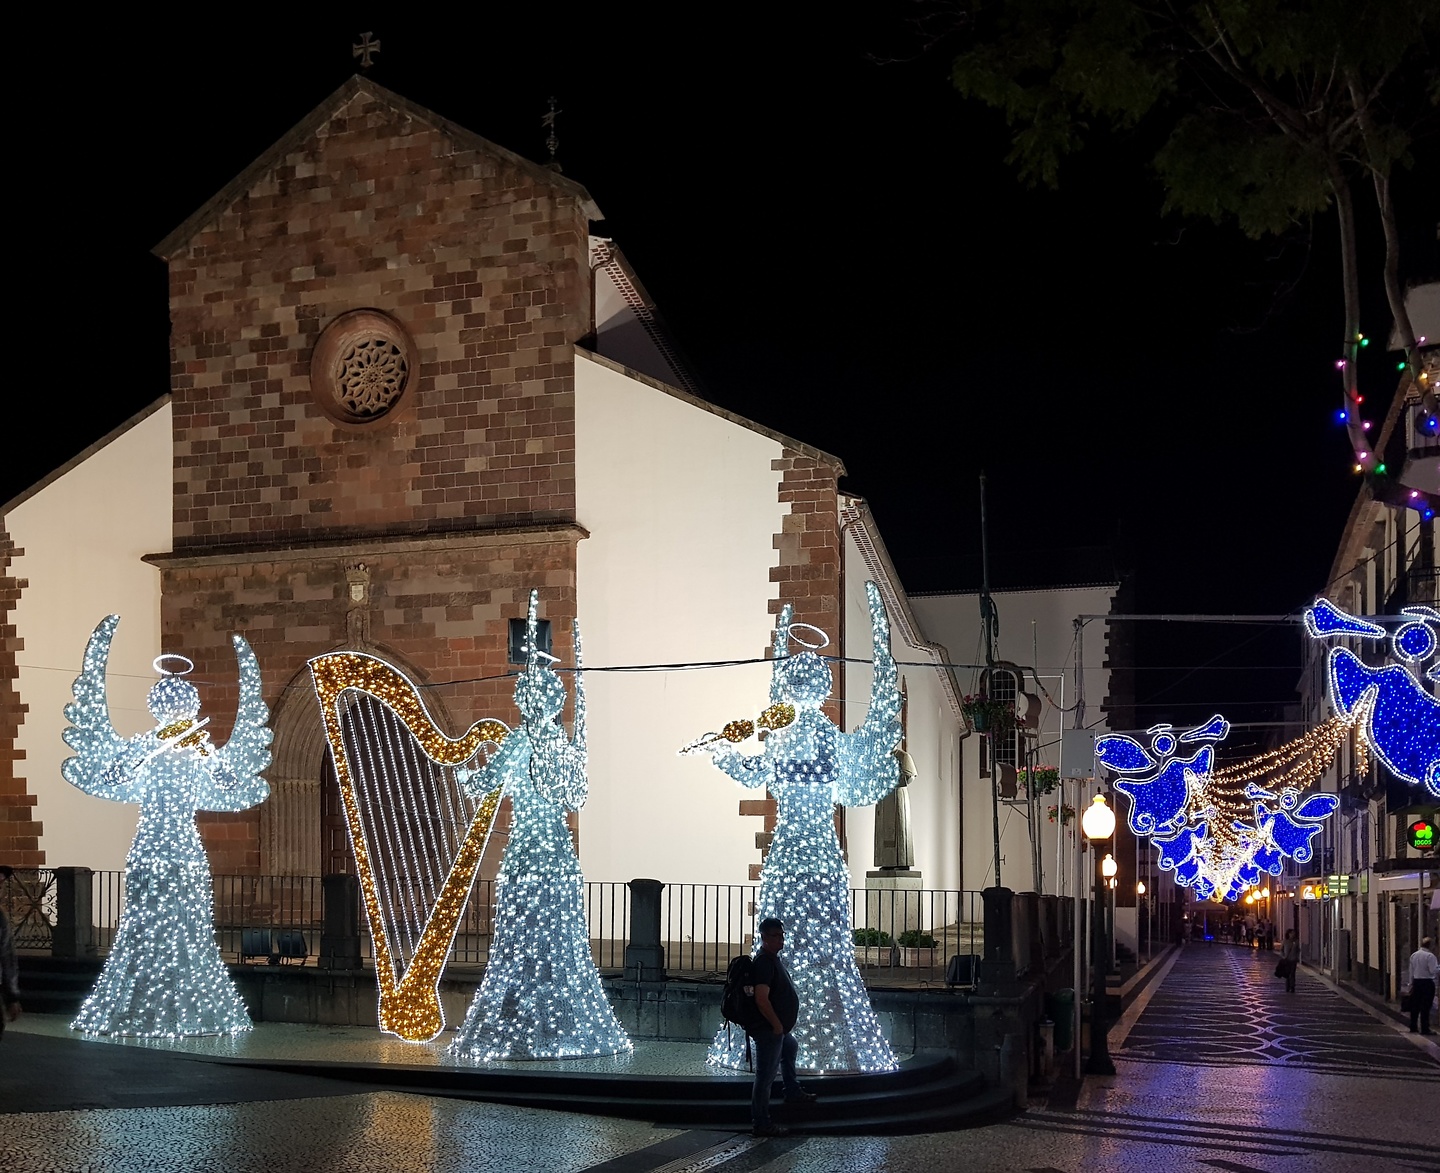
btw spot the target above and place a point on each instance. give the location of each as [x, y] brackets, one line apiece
[915, 939]
[872, 937]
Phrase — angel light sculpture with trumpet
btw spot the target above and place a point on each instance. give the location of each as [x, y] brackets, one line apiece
[164, 976]
[809, 766]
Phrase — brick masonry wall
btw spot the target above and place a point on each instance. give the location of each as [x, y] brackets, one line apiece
[480, 259]
[441, 609]
[19, 832]
[808, 573]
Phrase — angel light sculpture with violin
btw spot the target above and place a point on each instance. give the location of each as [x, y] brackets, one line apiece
[164, 976]
[809, 766]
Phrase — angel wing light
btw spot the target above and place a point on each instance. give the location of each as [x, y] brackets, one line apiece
[164, 975]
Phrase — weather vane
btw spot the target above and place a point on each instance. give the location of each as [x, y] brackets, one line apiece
[365, 50]
[552, 142]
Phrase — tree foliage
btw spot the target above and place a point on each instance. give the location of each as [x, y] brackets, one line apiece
[1268, 103]
[1268, 110]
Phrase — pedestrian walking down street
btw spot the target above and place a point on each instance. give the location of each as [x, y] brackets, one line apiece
[1423, 968]
[1289, 959]
[9, 966]
[775, 1044]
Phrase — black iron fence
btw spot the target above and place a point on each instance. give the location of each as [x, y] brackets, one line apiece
[900, 934]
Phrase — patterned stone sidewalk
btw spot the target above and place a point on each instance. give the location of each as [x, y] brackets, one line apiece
[1217, 1069]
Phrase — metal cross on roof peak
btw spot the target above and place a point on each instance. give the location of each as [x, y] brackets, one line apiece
[365, 50]
[552, 141]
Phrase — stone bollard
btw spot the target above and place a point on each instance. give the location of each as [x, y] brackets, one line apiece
[74, 934]
[340, 934]
[1015, 1070]
[644, 955]
[1047, 1049]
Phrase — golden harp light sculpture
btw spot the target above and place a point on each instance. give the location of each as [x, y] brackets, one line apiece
[409, 1005]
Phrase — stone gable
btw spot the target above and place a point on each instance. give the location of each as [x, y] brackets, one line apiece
[477, 255]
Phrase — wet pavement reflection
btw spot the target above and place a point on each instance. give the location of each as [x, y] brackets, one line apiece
[1217, 1068]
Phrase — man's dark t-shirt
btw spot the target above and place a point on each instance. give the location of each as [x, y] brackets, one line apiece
[770, 971]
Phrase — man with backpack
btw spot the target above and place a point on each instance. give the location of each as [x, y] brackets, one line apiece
[775, 1047]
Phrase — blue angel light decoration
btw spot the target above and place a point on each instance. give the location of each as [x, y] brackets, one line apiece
[164, 976]
[1398, 716]
[541, 997]
[1218, 830]
[809, 766]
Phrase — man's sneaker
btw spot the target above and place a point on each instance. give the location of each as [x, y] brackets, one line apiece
[769, 1130]
[801, 1098]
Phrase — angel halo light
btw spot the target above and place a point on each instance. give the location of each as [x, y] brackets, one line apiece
[164, 976]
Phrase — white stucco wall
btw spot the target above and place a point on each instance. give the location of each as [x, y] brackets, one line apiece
[83, 536]
[682, 506]
[1036, 629]
[932, 740]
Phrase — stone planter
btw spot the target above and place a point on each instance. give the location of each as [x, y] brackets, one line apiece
[919, 958]
[873, 956]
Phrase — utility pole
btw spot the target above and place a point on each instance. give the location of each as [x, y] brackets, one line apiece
[991, 623]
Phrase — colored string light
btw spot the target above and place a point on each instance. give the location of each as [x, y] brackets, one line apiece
[164, 977]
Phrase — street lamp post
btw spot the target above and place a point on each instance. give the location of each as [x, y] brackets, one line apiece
[1142, 928]
[1098, 824]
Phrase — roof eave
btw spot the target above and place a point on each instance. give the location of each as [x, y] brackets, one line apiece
[85, 454]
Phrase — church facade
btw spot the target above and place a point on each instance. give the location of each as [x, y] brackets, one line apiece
[408, 384]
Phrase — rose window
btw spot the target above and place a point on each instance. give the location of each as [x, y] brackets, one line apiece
[371, 377]
[362, 366]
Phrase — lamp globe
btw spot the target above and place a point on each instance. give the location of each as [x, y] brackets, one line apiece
[1098, 821]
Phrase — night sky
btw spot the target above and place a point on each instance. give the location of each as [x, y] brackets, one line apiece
[835, 240]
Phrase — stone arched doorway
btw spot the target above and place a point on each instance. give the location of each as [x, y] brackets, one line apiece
[290, 839]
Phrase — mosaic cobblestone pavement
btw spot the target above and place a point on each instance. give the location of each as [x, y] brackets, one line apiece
[1248, 1086]
[1222, 1004]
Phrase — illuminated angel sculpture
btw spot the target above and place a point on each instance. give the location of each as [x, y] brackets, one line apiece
[809, 766]
[1219, 829]
[541, 997]
[1398, 716]
[164, 975]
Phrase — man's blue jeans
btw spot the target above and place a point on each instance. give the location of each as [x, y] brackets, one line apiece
[772, 1053]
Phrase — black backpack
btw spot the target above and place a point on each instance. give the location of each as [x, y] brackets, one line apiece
[737, 1003]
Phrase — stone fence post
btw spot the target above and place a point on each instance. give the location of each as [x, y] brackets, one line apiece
[997, 967]
[644, 955]
[74, 934]
[340, 931]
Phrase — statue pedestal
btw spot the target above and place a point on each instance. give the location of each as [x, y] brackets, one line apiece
[892, 901]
